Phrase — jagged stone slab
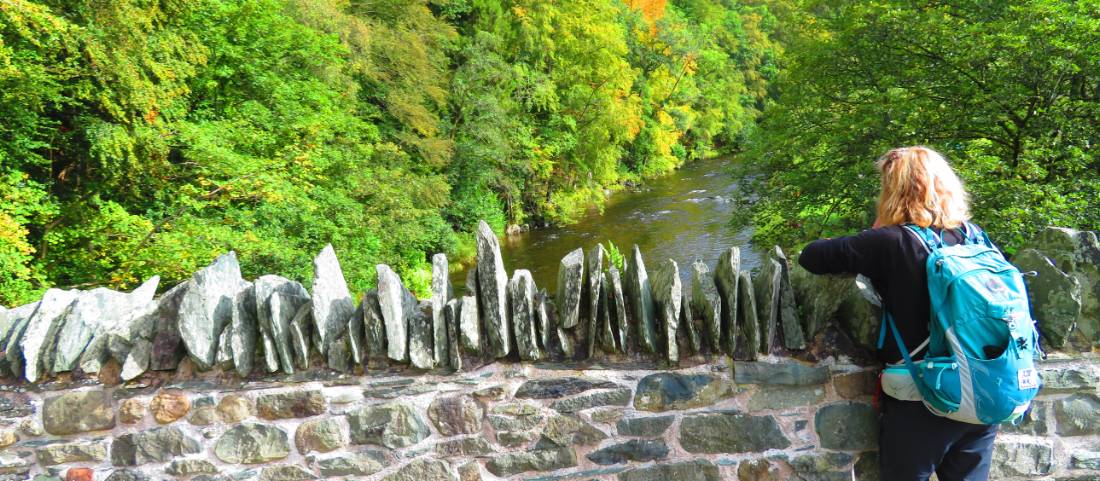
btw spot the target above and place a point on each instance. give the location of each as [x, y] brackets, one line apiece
[689, 330]
[137, 360]
[207, 307]
[300, 333]
[244, 331]
[1055, 296]
[706, 305]
[12, 324]
[451, 312]
[274, 316]
[374, 326]
[492, 291]
[543, 305]
[421, 337]
[281, 307]
[596, 305]
[570, 287]
[168, 348]
[640, 298]
[618, 308]
[397, 305]
[338, 356]
[119, 340]
[748, 324]
[442, 291]
[468, 325]
[1077, 254]
[521, 292]
[727, 276]
[606, 336]
[767, 285]
[818, 297]
[92, 315]
[332, 302]
[224, 357]
[34, 350]
[356, 339]
[793, 337]
[667, 295]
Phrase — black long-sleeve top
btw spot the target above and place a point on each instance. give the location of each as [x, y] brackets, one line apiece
[894, 260]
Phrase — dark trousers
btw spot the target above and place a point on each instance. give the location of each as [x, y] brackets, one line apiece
[914, 443]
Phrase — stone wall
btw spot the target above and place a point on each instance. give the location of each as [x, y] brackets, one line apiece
[620, 375]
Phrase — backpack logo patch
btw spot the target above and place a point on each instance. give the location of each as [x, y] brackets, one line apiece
[1027, 379]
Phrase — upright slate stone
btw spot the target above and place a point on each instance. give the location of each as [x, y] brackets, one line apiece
[300, 333]
[727, 278]
[1077, 253]
[768, 282]
[420, 337]
[277, 300]
[618, 308]
[706, 304]
[667, 295]
[168, 348]
[689, 327]
[243, 331]
[397, 305]
[469, 325]
[605, 335]
[332, 302]
[374, 326]
[793, 337]
[748, 325]
[1056, 300]
[33, 347]
[819, 297]
[280, 309]
[597, 304]
[492, 290]
[356, 337]
[207, 307]
[521, 298]
[104, 324]
[92, 315]
[441, 293]
[543, 322]
[640, 298]
[570, 287]
[12, 324]
[451, 312]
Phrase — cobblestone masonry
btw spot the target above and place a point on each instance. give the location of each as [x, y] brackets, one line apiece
[223, 379]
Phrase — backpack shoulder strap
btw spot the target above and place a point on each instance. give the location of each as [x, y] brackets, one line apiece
[925, 236]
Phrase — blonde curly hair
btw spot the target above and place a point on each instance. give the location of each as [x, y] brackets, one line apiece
[919, 187]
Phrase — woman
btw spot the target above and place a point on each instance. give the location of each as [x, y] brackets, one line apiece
[918, 187]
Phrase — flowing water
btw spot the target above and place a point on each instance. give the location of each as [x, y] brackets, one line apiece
[682, 216]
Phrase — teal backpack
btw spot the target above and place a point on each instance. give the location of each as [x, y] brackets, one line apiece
[980, 363]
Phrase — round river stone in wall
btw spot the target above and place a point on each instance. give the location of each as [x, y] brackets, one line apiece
[321, 435]
[251, 444]
[456, 415]
[131, 411]
[235, 408]
[667, 391]
[730, 432]
[392, 425]
[78, 412]
[847, 426]
[169, 405]
[294, 404]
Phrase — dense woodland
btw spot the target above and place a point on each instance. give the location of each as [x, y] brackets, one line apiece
[142, 137]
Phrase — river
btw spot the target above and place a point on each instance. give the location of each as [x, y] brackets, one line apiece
[682, 216]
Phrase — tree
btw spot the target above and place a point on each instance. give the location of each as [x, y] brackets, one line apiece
[1008, 91]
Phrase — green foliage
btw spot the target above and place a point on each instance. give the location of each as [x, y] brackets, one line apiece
[1006, 90]
[141, 138]
[615, 257]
